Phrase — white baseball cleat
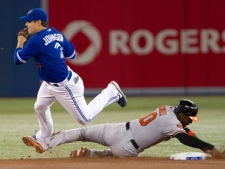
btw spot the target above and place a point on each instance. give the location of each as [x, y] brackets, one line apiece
[122, 97]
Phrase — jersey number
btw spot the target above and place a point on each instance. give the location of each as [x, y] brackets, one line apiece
[147, 119]
[58, 46]
[144, 121]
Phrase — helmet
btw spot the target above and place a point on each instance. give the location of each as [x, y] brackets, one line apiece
[187, 107]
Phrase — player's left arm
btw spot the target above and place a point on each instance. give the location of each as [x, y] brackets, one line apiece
[85, 152]
[69, 50]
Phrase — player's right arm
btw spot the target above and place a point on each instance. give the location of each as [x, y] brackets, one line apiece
[190, 132]
[214, 152]
[20, 43]
[22, 53]
[197, 143]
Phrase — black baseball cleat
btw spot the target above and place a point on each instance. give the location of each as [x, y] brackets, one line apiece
[122, 97]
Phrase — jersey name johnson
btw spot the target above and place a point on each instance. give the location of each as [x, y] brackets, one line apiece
[53, 37]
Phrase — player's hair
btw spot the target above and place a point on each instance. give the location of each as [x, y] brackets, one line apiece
[44, 24]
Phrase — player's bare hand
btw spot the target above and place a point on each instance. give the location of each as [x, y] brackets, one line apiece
[79, 153]
[216, 154]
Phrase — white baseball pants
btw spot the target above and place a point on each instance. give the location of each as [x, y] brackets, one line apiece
[70, 94]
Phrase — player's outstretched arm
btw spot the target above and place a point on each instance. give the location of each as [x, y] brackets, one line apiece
[85, 152]
[190, 132]
[197, 143]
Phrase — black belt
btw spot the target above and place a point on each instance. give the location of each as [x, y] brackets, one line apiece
[132, 140]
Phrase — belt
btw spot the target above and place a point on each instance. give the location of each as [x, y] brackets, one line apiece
[68, 78]
[132, 140]
[69, 75]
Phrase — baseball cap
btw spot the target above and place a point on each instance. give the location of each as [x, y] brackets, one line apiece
[35, 14]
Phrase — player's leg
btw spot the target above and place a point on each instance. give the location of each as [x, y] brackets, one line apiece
[84, 112]
[42, 108]
[72, 98]
[113, 135]
[92, 134]
[106, 97]
[118, 139]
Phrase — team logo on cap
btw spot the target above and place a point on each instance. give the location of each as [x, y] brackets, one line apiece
[29, 11]
[91, 33]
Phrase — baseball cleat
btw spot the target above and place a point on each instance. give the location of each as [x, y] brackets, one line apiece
[122, 97]
[30, 141]
[79, 153]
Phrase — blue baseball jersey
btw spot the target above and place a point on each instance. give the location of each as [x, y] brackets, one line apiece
[49, 48]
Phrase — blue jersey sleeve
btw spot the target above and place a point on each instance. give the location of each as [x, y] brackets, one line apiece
[17, 59]
[70, 52]
[22, 54]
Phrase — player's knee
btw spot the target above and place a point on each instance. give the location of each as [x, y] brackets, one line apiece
[38, 107]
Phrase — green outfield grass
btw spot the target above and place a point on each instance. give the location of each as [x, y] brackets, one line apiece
[17, 118]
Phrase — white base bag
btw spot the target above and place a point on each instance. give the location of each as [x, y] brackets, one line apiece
[190, 156]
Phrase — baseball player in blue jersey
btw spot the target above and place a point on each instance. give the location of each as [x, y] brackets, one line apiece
[131, 138]
[50, 48]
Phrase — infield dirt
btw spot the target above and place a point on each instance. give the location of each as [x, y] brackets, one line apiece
[112, 163]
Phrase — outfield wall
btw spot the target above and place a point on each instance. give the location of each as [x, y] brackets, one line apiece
[22, 80]
[150, 47]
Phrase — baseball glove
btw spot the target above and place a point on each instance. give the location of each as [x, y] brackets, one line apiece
[24, 33]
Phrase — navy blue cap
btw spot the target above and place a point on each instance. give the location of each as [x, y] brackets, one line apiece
[35, 14]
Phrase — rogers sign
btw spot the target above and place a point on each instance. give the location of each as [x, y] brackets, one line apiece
[166, 41]
[91, 33]
[145, 44]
